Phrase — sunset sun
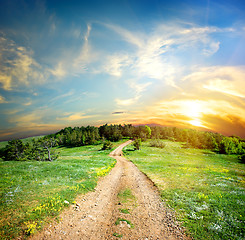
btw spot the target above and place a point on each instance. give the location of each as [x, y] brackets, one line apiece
[196, 123]
[193, 110]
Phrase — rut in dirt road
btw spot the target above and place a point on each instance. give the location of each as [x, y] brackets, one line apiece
[124, 205]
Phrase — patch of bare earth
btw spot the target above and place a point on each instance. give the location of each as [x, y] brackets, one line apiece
[96, 213]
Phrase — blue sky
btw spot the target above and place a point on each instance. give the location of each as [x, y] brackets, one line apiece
[74, 63]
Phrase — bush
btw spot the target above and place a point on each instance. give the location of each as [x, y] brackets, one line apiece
[137, 144]
[242, 158]
[157, 143]
[107, 145]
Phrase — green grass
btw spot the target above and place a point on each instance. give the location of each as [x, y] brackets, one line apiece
[124, 220]
[32, 193]
[124, 210]
[206, 190]
[117, 235]
[125, 195]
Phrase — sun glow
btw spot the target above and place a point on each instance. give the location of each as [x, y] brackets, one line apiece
[193, 109]
[196, 123]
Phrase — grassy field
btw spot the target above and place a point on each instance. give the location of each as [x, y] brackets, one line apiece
[32, 193]
[206, 190]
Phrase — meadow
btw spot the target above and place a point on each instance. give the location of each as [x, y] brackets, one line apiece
[33, 192]
[206, 190]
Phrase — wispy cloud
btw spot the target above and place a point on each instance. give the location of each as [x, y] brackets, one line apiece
[116, 64]
[59, 70]
[2, 99]
[63, 96]
[126, 102]
[26, 119]
[228, 80]
[135, 38]
[155, 54]
[28, 103]
[75, 62]
[72, 117]
[118, 113]
[18, 67]
[85, 54]
[137, 89]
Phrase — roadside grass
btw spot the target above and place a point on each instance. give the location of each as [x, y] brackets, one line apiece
[206, 190]
[124, 210]
[125, 195]
[32, 193]
[124, 220]
[117, 235]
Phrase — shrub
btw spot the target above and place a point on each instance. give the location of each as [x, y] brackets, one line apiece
[242, 158]
[157, 143]
[107, 145]
[137, 144]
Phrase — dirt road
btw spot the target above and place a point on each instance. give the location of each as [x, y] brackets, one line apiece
[125, 197]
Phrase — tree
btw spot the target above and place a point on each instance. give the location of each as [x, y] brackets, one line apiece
[37, 151]
[148, 131]
[14, 151]
[48, 144]
[107, 145]
[137, 144]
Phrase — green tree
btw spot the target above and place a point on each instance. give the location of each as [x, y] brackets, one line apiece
[107, 145]
[15, 151]
[148, 131]
[48, 144]
[137, 144]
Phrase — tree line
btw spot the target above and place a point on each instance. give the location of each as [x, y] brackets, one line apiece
[43, 149]
[39, 150]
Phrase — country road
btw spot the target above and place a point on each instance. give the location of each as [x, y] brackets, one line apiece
[142, 216]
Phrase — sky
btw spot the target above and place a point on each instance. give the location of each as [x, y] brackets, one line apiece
[76, 63]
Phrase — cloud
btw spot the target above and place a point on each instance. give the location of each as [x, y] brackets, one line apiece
[75, 62]
[18, 67]
[59, 71]
[74, 117]
[161, 53]
[137, 88]
[80, 96]
[34, 117]
[27, 119]
[62, 96]
[29, 103]
[117, 113]
[227, 80]
[2, 99]
[115, 64]
[126, 102]
[213, 48]
[135, 38]
[85, 54]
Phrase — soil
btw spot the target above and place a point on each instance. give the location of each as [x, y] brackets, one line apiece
[104, 214]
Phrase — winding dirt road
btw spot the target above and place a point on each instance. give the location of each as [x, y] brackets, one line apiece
[142, 216]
